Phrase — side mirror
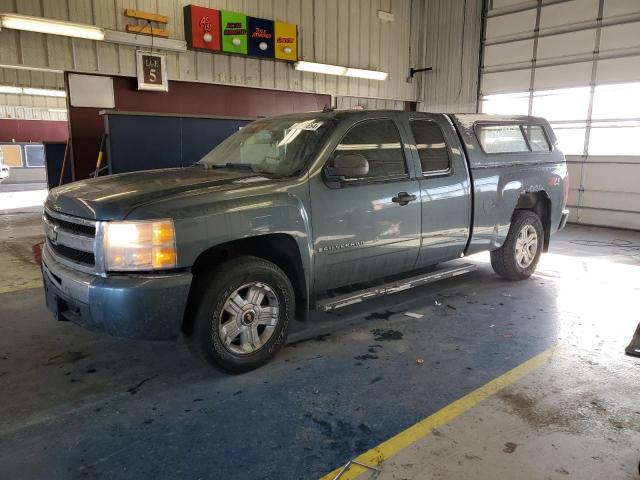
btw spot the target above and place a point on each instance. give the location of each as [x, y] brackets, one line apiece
[350, 165]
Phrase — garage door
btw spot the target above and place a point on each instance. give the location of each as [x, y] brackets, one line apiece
[577, 63]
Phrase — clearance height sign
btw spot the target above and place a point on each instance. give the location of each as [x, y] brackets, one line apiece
[222, 31]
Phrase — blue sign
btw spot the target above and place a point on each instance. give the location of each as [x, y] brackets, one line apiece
[260, 36]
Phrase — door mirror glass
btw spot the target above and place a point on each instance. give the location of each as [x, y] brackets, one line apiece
[350, 165]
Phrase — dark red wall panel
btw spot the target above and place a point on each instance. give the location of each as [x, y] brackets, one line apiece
[207, 99]
[86, 132]
[33, 130]
[187, 98]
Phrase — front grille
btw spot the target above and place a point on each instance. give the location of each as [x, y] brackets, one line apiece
[72, 227]
[71, 239]
[79, 256]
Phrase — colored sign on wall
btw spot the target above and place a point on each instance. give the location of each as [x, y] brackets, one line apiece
[202, 28]
[286, 45]
[260, 37]
[234, 32]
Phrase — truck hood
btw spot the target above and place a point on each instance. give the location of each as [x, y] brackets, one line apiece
[114, 196]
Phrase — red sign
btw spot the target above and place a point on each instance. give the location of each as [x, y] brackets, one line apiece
[202, 28]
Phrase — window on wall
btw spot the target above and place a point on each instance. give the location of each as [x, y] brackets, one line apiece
[12, 155]
[563, 104]
[616, 101]
[614, 138]
[570, 137]
[506, 104]
[35, 155]
[613, 126]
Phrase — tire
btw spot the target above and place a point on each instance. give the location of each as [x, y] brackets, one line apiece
[248, 296]
[514, 260]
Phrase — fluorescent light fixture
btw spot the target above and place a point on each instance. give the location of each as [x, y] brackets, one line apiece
[53, 27]
[57, 110]
[319, 68]
[370, 74]
[10, 89]
[25, 67]
[338, 70]
[44, 92]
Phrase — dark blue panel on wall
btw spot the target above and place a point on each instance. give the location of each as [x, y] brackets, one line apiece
[54, 158]
[201, 135]
[146, 142]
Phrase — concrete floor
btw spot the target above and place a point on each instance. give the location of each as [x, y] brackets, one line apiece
[74, 404]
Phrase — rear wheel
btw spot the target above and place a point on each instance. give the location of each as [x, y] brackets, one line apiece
[519, 255]
[242, 315]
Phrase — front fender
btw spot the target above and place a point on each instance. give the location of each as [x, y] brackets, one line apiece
[207, 219]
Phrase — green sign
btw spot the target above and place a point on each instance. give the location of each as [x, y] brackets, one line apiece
[234, 32]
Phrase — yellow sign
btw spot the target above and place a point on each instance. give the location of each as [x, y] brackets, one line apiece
[286, 46]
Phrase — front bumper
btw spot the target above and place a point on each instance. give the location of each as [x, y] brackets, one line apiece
[563, 219]
[149, 307]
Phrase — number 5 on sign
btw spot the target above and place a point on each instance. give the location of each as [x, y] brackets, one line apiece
[152, 71]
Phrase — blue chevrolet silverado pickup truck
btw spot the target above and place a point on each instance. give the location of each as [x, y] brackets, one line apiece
[229, 250]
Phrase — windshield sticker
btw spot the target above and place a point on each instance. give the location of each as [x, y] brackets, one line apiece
[311, 125]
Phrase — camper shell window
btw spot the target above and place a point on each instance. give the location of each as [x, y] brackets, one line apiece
[511, 138]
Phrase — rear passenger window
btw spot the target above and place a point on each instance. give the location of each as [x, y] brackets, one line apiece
[501, 138]
[432, 148]
[379, 142]
[537, 139]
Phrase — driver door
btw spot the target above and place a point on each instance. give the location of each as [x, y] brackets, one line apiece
[366, 227]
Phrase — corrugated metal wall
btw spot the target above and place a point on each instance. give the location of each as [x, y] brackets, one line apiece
[27, 113]
[347, 103]
[446, 35]
[30, 78]
[443, 34]
[451, 44]
[539, 46]
[331, 31]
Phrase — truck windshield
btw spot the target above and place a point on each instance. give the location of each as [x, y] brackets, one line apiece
[277, 146]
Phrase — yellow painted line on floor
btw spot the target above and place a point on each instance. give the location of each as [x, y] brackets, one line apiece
[390, 447]
[18, 288]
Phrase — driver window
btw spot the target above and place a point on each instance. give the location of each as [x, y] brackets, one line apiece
[379, 142]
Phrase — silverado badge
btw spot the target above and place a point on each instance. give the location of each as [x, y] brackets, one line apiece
[340, 246]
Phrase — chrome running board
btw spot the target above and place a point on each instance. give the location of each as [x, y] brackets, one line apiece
[333, 303]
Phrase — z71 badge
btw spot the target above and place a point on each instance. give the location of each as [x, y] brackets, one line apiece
[342, 246]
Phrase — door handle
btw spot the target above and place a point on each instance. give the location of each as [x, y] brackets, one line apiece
[403, 198]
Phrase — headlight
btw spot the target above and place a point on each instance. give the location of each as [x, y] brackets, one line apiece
[143, 245]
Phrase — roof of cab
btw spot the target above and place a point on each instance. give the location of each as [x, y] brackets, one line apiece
[465, 120]
[470, 119]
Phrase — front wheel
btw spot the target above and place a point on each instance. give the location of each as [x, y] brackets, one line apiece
[242, 314]
[519, 255]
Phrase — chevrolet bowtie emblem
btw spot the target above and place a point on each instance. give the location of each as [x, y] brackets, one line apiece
[52, 234]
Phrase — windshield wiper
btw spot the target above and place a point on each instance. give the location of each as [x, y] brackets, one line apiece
[244, 166]
[236, 166]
